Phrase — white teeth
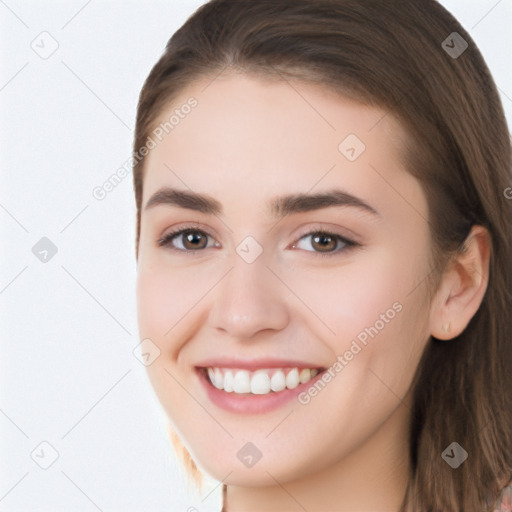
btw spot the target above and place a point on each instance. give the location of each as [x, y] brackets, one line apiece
[259, 382]
[242, 382]
[211, 374]
[218, 380]
[229, 380]
[278, 382]
[292, 379]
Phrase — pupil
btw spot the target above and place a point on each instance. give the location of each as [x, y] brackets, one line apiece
[323, 240]
[192, 237]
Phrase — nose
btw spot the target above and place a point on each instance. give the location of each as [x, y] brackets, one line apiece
[249, 299]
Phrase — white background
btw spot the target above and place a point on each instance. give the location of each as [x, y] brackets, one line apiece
[68, 374]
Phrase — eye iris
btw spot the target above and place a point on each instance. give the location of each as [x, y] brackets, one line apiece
[322, 238]
[192, 237]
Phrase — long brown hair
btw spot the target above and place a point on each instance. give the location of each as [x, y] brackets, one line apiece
[404, 57]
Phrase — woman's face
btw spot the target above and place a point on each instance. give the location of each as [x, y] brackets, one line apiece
[260, 294]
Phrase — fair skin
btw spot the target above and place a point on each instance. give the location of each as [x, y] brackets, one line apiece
[249, 141]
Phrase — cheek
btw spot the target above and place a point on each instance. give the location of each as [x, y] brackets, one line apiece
[376, 319]
[370, 292]
[165, 297]
[154, 300]
[160, 306]
[383, 328]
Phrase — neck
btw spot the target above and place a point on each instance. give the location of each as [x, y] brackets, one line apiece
[374, 476]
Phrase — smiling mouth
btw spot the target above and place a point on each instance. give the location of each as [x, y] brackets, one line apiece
[263, 381]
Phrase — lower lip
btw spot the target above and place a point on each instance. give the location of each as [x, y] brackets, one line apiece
[249, 403]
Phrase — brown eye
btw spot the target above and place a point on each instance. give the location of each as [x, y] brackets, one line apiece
[325, 242]
[192, 240]
[185, 240]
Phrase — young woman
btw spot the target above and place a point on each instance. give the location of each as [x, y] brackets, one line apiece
[324, 250]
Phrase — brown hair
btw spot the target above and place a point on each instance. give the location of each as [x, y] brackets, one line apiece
[398, 56]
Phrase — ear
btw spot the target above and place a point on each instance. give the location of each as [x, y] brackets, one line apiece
[462, 287]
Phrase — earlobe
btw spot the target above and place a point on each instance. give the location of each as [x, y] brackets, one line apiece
[462, 287]
[447, 327]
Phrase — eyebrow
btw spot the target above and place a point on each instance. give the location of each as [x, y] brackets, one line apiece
[280, 206]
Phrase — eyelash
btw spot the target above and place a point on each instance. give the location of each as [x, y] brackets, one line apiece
[166, 241]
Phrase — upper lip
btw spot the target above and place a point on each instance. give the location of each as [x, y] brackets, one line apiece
[255, 364]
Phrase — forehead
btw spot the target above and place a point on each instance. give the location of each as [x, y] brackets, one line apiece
[257, 137]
